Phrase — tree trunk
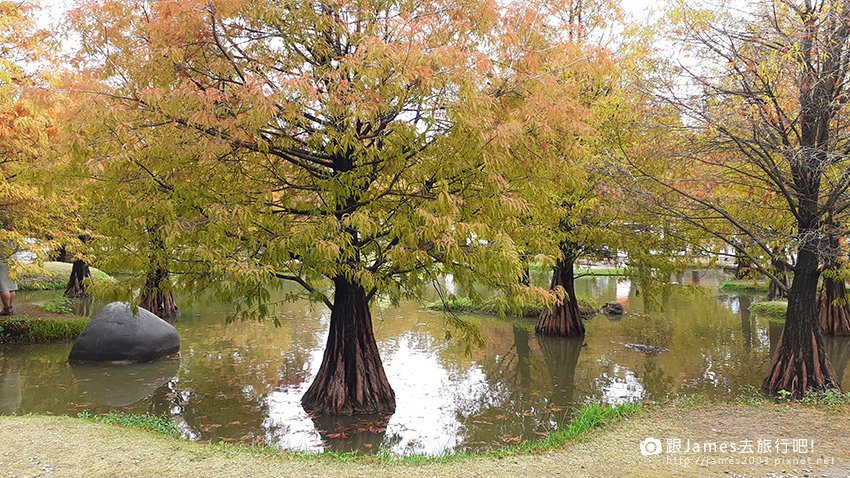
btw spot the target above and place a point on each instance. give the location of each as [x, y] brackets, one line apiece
[61, 254]
[351, 379]
[800, 363]
[743, 267]
[76, 287]
[775, 290]
[157, 300]
[563, 318]
[833, 309]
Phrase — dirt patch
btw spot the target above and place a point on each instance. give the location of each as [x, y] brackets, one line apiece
[33, 311]
[67, 447]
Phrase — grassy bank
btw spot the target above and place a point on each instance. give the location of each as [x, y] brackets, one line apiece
[71, 447]
[150, 423]
[54, 275]
[51, 321]
[463, 305]
[590, 417]
[29, 330]
[772, 309]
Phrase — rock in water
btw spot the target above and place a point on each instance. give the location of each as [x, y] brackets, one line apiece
[613, 308]
[116, 335]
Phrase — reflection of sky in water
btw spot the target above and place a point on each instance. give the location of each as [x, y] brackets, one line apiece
[431, 400]
[624, 287]
[620, 386]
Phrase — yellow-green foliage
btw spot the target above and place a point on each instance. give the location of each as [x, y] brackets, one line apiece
[395, 150]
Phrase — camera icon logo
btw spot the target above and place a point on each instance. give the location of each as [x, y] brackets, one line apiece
[650, 446]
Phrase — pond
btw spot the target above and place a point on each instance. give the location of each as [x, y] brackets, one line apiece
[242, 382]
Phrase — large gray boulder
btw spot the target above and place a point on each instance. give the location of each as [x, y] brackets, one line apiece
[116, 335]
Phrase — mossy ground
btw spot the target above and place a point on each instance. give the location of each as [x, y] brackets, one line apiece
[745, 286]
[772, 309]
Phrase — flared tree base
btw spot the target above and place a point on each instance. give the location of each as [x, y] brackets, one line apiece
[800, 368]
[351, 379]
[833, 309]
[563, 320]
[160, 304]
[76, 287]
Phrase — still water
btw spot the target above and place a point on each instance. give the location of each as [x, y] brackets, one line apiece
[242, 382]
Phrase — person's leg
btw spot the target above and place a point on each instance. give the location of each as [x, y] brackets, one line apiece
[6, 298]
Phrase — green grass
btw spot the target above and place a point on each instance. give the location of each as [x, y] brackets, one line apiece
[59, 305]
[465, 305]
[151, 423]
[28, 330]
[748, 286]
[750, 395]
[772, 309]
[601, 271]
[832, 398]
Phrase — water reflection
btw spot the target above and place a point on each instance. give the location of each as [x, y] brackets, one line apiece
[10, 389]
[244, 381]
[122, 385]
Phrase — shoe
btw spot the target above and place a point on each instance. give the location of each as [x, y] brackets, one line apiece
[7, 311]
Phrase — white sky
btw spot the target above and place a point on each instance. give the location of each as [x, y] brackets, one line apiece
[52, 10]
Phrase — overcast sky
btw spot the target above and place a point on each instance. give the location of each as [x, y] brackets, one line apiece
[53, 9]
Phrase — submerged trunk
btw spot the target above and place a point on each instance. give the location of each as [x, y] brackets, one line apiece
[157, 300]
[834, 310]
[351, 379]
[76, 287]
[563, 318]
[800, 363]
